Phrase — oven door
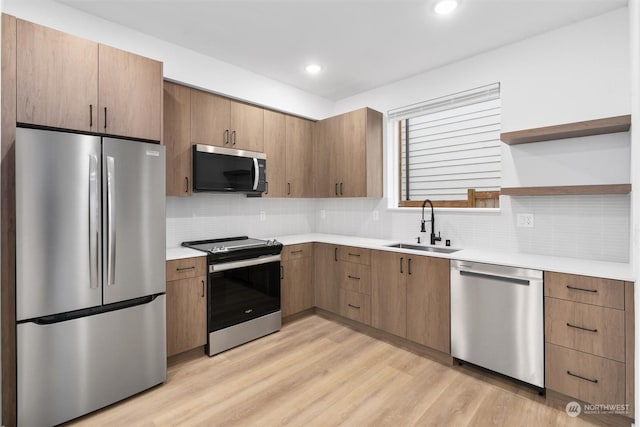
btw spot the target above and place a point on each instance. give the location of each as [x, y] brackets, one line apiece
[243, 290]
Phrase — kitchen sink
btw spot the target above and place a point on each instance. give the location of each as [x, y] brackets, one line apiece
[436, 249]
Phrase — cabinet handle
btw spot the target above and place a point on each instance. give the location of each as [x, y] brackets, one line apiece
[336, 188]
[186, 184]
[105, 117]
[335, 254]
[409, 266]
[202, 288]
[353, 277]
[341, 193]
[299, 251]
[288, 188]
[401, 265]
[350, 254]
[186, 268]
[353, 306]
[595, 291]
[281, 272]
[233, 137]
[581, 327]
[582, 378]
[226, 136]
[266, 187]
[90, 115]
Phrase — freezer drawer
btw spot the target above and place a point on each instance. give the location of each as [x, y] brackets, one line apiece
[71, 368]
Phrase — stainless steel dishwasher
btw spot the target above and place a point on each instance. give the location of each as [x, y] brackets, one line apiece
[497, 319]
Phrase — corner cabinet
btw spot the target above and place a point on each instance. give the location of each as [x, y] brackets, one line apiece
[348, 155]
[186, 304]
[67, 82]
[296, 280]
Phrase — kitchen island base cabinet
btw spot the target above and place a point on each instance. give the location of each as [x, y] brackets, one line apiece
[296, 285]
[186, 305]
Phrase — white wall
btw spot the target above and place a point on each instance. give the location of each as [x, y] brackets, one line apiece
[180, 64]
[578, 72]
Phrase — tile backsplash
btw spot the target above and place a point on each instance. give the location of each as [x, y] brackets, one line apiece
[587, 227]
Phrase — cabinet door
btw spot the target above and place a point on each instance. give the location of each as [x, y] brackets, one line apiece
[326, 270]
[327, 156]
[299, 153]
[129, 94]
[186, 314]
[247, 127]
[389, 292]
[57, 79]
[210, 118]
[428, 314]
[275, 149]
[297, 286]
[177, 138]
[352, 160]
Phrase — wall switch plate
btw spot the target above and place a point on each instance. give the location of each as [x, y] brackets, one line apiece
[263, 216]
[323, 214]
[376, 215]
[524, 220]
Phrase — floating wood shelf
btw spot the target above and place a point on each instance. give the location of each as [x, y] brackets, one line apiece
[568, 130]
[567, 190]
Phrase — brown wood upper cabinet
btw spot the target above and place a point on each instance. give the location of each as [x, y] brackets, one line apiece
[410, 297]
[226, 123]
[67, 82]
[348, 155]
[177, 138]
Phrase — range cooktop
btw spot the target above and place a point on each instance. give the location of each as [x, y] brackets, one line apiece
[234, 248]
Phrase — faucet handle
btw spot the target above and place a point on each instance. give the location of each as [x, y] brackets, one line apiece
[438, 238]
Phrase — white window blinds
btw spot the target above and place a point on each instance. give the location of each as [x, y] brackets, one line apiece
[450, 145]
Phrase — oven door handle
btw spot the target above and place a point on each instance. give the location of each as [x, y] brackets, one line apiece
[214, 268]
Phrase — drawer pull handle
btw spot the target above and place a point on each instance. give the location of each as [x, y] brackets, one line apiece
[335, 254]
[193, 267]
[297, 252]
[353, 306]
[353, 277]
[595, 291]
[582, 378]
[581, 327]
[350, 254]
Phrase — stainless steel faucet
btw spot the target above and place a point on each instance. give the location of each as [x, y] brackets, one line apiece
[423, 228]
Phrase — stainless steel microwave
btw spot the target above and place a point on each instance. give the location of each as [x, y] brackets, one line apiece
[228, 170]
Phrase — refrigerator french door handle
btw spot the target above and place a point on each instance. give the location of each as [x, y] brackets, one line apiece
[256, 173]
[93, 221]
[111, 222]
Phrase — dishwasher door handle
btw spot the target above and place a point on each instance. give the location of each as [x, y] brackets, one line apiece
[513, 280]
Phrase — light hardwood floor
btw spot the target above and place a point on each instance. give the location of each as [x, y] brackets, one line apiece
[316, 372]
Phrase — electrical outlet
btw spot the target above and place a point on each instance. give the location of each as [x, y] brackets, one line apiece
[376, 215]
[323, 214]
[263, 216]
[524, 220]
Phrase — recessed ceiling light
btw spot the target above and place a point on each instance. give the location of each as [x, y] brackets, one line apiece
[313, 68]
[445, 7]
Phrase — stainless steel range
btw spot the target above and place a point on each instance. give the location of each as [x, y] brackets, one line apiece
[243, 285]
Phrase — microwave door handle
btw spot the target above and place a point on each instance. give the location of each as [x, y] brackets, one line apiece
[111, 222]
[256, 174]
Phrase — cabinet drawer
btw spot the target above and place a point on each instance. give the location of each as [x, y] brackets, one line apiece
[357, 255]
[585, 289]
[297, 251]
[186, 268]
[355, 277]
[589, 378]
[588, 328]
[355, 306]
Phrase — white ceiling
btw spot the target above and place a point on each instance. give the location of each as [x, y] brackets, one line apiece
[361, 44]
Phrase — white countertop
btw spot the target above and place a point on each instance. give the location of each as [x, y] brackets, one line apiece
[609, 270]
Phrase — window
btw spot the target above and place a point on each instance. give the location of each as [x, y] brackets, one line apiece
[450, 149]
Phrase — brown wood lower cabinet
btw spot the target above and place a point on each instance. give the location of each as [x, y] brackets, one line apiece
[355, 306]
[389, 292]
[296, 285]
[186, 306]
[326, 273]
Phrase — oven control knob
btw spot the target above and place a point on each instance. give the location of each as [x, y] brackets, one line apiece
[273, 242]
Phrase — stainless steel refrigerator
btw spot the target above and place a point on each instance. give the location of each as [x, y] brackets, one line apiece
[90, 272]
